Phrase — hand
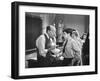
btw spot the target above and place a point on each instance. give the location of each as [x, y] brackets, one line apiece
[52, 48]
[61, 58]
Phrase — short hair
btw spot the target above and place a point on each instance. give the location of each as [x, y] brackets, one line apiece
[75, 33]
[48, 28]
[83, 35]
[69, 30]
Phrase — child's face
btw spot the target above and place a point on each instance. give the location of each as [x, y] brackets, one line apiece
[73, 36]
[84, 37]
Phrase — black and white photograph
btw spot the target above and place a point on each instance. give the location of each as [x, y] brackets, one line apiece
[56, 40]
[51, 40]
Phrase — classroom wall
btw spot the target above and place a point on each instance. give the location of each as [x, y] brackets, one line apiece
[78, 22]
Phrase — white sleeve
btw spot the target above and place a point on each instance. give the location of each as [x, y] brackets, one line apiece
[41, 45]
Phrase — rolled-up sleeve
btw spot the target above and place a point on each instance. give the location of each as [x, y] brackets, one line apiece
[40, 43]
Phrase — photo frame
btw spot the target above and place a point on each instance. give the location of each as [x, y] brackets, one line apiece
[83, 18]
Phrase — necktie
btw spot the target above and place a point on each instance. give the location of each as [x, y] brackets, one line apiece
[65, 46]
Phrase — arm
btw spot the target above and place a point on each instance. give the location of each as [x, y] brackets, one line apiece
[41, 46]
[77, 50]
[75, 47]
